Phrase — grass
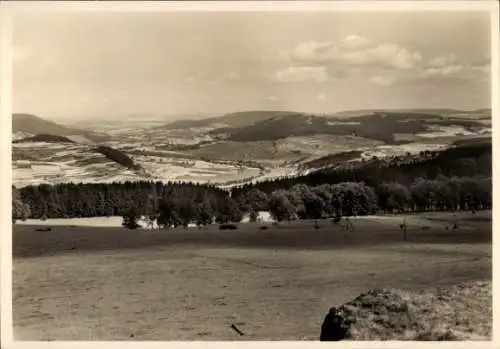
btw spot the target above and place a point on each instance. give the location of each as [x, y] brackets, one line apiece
[112, 284]
[460, 312]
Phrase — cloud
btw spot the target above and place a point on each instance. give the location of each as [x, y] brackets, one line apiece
[444, 71]
[355, 41]
[356, 50]
[190, 79]
[482, 68]
[383, 80]
[321, 97]
[442, 61]
[456, 71]
[382, 64]
[301, 74]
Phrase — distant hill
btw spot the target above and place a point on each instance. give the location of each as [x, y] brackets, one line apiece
[464, 159]
[237, 119]
[45, 138]
[427, 111]
[33, 124]
[374, 126]
[382, 126]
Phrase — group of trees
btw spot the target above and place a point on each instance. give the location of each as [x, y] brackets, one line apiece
[118, 156]
[356, 198]
[176, 204]
[170, 204]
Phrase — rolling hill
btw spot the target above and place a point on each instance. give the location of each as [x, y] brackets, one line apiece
[47, 138]
[377, 126]
[28, 123]
[428, 111]
[233, 120]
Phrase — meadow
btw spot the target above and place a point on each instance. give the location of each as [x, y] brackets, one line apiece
[109, 283]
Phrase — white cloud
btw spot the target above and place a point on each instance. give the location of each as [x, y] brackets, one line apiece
[356, 50]
[311, 50]
[443, 61]
[383, 80]
[321, 97]
[456, 71]
[448, 70]
[301, 74]
[394, 55]
[482, 68]
[190, 79]
[355, 41]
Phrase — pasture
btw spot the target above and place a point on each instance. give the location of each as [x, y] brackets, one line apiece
[109, 283]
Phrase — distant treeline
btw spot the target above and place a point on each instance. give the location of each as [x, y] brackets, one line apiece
[45, 138]
[180, 204]
[118, 156]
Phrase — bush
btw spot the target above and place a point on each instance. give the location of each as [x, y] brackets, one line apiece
[228, 227]
[130, 218]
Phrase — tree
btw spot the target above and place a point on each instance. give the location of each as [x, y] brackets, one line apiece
[130, 218]
[257, 200]
[228, 211]
[187, 211]
[205, 213]
[168, 215]
[253, 216]
[20, 210]
[396, 196]
[280, 206]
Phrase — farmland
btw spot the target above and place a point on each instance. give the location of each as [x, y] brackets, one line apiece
[228, 151]
[107, 283]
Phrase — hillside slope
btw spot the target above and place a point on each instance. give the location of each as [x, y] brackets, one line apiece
[45, 138]
[32, 124]
[385, 127]
[237, 119]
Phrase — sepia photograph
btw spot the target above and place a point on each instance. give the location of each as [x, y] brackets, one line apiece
[252, 175]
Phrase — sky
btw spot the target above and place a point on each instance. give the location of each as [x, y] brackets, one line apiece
[101, 65]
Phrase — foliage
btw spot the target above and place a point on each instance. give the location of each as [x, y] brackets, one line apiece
[20, 210]
[130, 218]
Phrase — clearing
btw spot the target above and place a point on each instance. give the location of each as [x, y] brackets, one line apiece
[108, 283]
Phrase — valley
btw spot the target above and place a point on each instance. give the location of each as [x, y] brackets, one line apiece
[234, 149]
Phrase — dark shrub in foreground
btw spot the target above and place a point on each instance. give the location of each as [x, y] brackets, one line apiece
[228, 227]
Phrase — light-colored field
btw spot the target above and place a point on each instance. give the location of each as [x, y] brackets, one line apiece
[114, 284]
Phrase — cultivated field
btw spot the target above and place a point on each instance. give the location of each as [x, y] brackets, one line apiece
[106, 283]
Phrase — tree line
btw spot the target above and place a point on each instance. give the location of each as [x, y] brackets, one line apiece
[179, 204]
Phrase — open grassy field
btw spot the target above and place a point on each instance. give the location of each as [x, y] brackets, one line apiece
[105, 283]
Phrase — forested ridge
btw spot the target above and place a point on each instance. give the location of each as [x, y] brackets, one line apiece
[458, 178]
[467, 159]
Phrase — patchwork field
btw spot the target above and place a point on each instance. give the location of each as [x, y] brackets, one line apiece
[106, 283]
